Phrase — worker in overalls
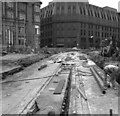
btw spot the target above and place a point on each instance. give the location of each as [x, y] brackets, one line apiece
[112, 72]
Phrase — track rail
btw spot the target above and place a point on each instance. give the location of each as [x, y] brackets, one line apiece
[32, 101]
[66, 99]
[88, 105]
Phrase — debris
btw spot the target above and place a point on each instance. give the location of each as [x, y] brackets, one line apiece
[60, 86]
[26, 82]
[82, 94]
[55, 81]
[42, 67]
[51, 89]
[34, 109]
[51, 113]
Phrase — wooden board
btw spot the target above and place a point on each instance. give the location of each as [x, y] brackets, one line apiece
[60, 86]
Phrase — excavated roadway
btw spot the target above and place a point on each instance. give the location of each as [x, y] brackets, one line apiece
[16, 95]
[97, 103]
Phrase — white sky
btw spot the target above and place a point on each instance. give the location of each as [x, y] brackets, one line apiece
[100, 3]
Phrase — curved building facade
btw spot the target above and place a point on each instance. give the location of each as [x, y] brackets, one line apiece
[70, 24]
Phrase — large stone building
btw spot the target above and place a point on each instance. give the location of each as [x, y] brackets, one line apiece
[119, 6]
[74, 23]
[0, 25]
[20, 25]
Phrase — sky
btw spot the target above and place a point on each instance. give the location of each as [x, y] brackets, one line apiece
[100, 3]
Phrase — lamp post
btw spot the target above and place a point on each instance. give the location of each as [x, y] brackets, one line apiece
[77, 45]
[91, 37]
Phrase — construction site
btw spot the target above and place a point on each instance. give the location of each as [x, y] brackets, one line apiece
[59, 81]
[63, 59]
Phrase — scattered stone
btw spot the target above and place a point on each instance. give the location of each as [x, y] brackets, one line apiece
[51, 113]
[51, 89]
[26, 82]
[8, 95]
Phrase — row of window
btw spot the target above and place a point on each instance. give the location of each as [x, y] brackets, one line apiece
[88, 11]
[22, 6]
[83, 10]
[108, 29]
[21, 40]
[21, 30]
[36, 18]
[47, 11]
[45, 28]
[69, 26]
[37, 29]
[82, 33]
[10, 14]
[49, 33]
[36, 8]
[10, 4]
[46, 20]
[91, 40]
[22, 16]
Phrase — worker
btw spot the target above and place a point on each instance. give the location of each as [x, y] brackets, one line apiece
[113, 72]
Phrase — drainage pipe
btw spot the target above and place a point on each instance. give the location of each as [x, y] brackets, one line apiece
[99, 81]
[102, 78]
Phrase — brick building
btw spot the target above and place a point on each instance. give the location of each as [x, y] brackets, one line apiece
[20, 25]
[70, 24]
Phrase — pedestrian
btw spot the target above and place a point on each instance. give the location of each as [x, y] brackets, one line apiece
[112, 72]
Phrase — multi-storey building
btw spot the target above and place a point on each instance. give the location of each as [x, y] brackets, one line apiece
[0, 25]
[119, 29]
[119, 6]
[69, 24]
[20, 25]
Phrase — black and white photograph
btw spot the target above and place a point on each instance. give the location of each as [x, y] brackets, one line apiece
[60, 57]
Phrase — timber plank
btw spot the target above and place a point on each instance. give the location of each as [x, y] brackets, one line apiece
[60, 86]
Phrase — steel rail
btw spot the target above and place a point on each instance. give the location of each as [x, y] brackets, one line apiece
[32, 101]
[85, 96]
[65, 103]
[28, 79]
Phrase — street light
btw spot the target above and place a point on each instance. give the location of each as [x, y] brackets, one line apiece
[91, 36]
[77, 44]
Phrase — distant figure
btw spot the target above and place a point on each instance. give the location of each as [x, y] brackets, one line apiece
[113, 72]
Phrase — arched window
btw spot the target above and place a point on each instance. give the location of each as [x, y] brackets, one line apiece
[74, 9]
[58, 10]
[89, 12]
[69, 10]
[62, 9]
[81, 11]
[95, 14]
[102, 15]
[84, 11]
[98, 14]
